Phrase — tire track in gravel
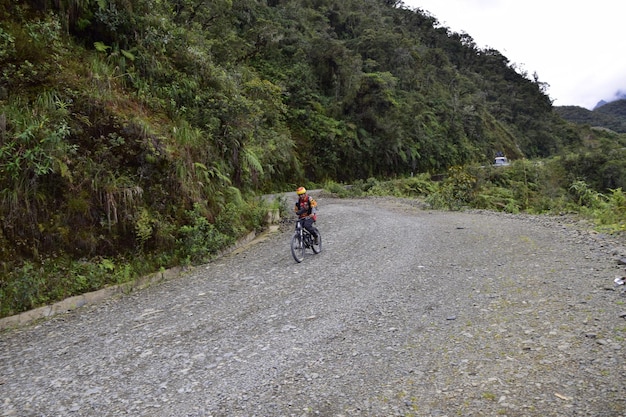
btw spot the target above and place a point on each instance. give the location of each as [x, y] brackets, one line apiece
[405, 312]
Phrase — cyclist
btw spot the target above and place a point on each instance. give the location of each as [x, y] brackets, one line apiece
[306, 209]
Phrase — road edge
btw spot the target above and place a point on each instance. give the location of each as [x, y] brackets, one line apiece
[75, 302]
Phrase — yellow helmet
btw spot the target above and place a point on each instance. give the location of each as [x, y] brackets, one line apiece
[301, 191]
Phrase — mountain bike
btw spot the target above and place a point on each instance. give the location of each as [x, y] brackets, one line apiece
[303, 240]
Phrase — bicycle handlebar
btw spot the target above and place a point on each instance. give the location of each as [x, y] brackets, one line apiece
[304, 218]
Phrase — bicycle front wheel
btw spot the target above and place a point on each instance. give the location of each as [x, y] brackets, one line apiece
[297, 247]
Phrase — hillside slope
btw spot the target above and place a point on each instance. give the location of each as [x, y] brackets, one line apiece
[610, 115]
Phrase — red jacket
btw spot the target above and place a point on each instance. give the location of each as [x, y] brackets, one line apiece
[308, 206]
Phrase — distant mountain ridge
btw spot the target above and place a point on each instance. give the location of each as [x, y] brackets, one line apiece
[610, 115]
[619, 95]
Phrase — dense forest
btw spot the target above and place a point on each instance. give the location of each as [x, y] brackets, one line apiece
[138, 134]
[610, 115]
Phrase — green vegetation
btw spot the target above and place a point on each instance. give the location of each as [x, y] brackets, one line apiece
[137, 135]
[538, 186]
[608, 116]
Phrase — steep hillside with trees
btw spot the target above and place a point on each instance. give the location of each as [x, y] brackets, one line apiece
[135, 134]
[610, 115]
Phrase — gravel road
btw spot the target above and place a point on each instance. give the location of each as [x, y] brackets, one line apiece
[406, 312]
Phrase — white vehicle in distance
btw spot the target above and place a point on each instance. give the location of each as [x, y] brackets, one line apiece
[501, 161]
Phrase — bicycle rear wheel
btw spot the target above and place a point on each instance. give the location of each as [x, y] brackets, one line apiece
[297, 247]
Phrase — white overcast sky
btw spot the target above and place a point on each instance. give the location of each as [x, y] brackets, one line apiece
[577, 47]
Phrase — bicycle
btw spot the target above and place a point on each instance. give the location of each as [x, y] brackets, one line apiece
[303, 240]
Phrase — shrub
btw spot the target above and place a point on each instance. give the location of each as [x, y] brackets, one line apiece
[22, 289]
[199, 239]
[457, 190]
[338, 190]
[612, 215]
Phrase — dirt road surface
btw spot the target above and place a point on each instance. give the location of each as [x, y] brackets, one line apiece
[406, 312]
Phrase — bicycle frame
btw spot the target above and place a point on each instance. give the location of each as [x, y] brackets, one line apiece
[305, 235]
[302, 240]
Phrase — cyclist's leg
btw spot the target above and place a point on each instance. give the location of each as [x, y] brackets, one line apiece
[308, 225]
[315, 232]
